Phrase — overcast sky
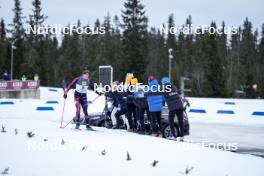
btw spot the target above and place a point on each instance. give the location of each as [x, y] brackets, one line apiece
[233, 12]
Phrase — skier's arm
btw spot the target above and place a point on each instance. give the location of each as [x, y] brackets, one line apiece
[185, 101]
[70, 86]
[91, 87]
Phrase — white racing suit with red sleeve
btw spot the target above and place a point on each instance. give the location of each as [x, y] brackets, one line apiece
[80, 96]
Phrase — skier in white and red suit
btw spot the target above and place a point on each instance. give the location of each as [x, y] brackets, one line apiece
[81, 83]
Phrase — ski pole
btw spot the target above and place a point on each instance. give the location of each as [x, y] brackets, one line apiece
[94, 99]
[67, 124]
[62, 112]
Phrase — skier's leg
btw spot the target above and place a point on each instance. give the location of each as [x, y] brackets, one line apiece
[159, 122]
[129, 116]
[180, 121]
[141, 117]
[137, 118]
[123, 118]
[78, 107]
[148, 114]
[113, 118]
[148, 120]
[153, 122]
[117, 116]
[171, 122]
[85, 107]
[134, 116]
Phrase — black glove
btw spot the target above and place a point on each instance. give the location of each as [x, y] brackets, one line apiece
[65, 96]
[98, 93]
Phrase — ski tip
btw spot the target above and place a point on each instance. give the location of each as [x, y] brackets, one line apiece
[90, 129]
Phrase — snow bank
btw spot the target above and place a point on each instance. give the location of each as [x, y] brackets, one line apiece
[44, 154]
[81, 153]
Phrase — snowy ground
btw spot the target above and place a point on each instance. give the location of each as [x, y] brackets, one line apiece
[247, 138]
[81, 154]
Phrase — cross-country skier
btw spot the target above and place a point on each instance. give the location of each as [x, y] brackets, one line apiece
[82, 83]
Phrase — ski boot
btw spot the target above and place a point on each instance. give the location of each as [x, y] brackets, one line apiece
[88, 127]
[77, 126]
[87, 119]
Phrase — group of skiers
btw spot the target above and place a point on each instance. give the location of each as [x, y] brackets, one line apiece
[134, 103]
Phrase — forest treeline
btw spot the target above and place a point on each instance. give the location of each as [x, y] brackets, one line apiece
[217, 65]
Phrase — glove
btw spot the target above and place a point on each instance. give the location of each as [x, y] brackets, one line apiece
[99, 93]
[65, 96]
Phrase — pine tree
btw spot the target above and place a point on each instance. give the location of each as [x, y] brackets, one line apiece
[216, 86]
[111, 46]
[171, 39]
[29, 66]
[134, 38]
[2, 29]
[157, 56]
[17, 29]
[198, 73]
[233, 63]
[37, 18]
[171, 44]
[38, 45]
[4, 48]
[188, 61]
[180, 57]
[117, 26]
[247, 59]
[223, 51]
[261, 63]
[117, 46]
[17, 38]
[72, 58]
